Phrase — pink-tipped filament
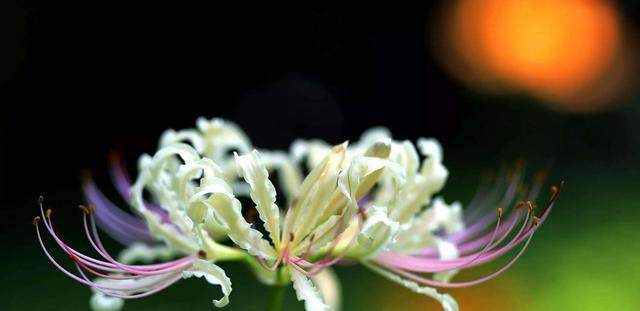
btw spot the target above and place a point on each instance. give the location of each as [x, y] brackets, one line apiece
[412, 266]
[127, 281]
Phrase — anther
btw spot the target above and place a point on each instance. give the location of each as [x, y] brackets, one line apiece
[535, 220]
[499, 212]
[202, 254]
[291, 236]
[40, 200]
[73, 257]
[48, 213]
[530, 206]
[554, 189]
[36, 220]
[520, 204]
[84, 209]
[92, 208]
[361, 213]
[312, 237]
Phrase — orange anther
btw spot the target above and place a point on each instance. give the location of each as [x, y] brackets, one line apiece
[530, 206]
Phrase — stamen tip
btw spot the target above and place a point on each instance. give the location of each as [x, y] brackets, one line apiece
[520, 204]
[500, 212]
[40, 200]
[202, 254]
[291, 236]
[530, 206]
[49, 213]
[361, 213]
[84, 209]
[36, 220]
[535, 220]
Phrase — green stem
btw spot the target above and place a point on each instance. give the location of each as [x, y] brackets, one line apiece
[277, 293]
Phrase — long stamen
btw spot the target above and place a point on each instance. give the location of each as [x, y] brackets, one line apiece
[409, 266]
[461, 284]
[148, 279]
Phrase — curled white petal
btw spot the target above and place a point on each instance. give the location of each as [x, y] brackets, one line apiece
[447, 302]
[263, 193]
[214, 275]
[418, 232]
[378, 232]
[228, 213]
[329, 286]
[102, 302]
[140, 252]
[306, 290]
[221, 136]
[446, 250]
[430, 147]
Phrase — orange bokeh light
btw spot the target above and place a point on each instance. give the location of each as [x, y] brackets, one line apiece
[555, 49]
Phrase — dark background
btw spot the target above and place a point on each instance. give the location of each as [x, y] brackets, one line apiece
[83, 78]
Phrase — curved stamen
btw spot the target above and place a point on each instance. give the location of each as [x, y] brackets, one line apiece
[149, 279]
[430, 282]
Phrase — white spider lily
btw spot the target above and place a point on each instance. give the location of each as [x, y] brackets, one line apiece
[407, 232]
[372, 202]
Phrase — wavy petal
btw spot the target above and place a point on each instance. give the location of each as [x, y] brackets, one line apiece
[329, 287]
[214, 275]
[102, 302]
[305, 290]
[448, 303]
[418, 233]
[263, 193]
[220, 137]
[377, 234]
[227, 211]
[144, 253]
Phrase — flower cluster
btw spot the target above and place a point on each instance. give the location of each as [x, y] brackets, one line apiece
[195, 203]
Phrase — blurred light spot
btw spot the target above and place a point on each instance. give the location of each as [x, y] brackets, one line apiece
[558, 50]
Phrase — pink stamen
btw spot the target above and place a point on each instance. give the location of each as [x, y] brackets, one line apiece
[430, 282]
[149, 279]
[408, 265]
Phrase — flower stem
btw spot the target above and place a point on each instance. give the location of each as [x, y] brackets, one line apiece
[277, 293]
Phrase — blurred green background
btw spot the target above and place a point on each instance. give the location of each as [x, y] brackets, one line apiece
[82, 79]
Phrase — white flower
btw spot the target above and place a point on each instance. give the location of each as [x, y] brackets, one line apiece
[372, 201]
